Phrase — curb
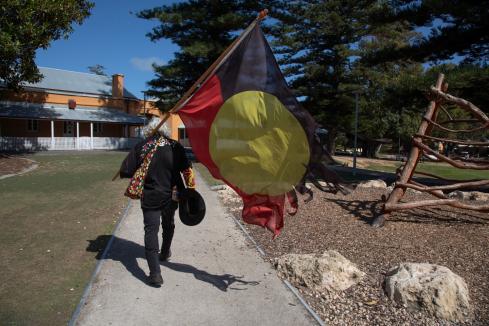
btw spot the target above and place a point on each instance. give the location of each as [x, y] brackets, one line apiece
[86, 292]
[289, 286]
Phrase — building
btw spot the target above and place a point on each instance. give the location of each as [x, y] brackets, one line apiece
[70, 110]
[174, 123]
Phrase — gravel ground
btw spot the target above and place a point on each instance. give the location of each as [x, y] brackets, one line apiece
[438, 235]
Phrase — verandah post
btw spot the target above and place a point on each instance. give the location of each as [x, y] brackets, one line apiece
[91, 135]
[78, 135]
[53, 143]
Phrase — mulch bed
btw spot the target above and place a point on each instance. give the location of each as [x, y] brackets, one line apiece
[13, 164]
[445, 236]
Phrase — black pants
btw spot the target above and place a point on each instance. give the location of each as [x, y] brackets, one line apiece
[151, 227]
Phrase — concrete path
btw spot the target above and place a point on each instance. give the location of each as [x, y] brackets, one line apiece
[215, 277]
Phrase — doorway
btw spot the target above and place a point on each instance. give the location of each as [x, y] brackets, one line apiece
[68, 129]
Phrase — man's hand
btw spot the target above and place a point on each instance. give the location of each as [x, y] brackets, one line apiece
[189, 177]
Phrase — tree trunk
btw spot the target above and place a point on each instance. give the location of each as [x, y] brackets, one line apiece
[331, 141]
[369, 149]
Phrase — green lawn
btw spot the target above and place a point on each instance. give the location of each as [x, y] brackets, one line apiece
[48, 216]
[441, 169]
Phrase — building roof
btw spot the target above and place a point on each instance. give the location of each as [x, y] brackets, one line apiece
[24, 110]
[72, 82]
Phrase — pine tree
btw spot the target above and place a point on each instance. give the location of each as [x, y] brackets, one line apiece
[318, 44]
[321, 43]
[389, 102]
[202, 29]
[97, 69]
[458, 27]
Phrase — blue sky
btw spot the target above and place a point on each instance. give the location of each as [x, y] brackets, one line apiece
[115, 39]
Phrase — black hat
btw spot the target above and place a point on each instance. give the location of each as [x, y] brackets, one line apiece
[191, 207]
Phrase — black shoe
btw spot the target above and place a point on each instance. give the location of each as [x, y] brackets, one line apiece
[155, 279]
[165, 256]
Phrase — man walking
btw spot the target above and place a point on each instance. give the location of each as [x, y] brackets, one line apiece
[156, 166]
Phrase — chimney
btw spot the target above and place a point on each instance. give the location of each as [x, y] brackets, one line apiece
[118, 85]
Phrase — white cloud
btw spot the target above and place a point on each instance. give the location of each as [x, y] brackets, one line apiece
[145, 64]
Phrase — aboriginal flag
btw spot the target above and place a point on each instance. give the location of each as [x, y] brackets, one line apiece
[248, 129]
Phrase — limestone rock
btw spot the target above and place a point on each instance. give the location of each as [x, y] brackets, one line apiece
[431, 288]
[372, 184]
[469, 195]
[478, 195]
[460, 195]
[329, 271]
[227, 195]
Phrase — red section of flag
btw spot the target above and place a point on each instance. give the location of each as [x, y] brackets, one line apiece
[251, 66]
[266, 211]
[198, 115]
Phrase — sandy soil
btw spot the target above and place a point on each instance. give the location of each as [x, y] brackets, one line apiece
[13, 164]
[363, 162]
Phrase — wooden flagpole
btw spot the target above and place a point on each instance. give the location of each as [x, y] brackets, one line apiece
[205, 76]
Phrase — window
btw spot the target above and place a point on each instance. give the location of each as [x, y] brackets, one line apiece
[182, 134]
[97, 128]
[32, 125]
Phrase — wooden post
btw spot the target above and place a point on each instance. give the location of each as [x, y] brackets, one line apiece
[78, 135]
[91, 135]
[419, 148]
[412, 162]
[53, 143]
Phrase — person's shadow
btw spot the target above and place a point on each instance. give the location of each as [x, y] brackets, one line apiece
[222, 282]
[121, 250]
[126, 252]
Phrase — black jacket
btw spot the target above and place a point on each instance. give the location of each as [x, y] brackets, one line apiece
[163, 172]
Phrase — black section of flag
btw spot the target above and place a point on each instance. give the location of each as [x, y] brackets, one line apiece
[252, 67]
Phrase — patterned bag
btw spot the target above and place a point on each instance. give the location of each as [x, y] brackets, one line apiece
[136, 185]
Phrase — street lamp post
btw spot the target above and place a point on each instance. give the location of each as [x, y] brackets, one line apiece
[355, 139]
[399, 136]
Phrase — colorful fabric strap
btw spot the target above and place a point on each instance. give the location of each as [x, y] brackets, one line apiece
[189, 177]
[136, 185]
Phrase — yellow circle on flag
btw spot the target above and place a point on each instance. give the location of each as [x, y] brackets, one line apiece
[258, 145]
